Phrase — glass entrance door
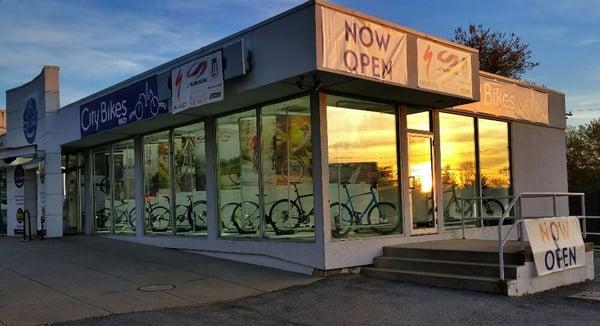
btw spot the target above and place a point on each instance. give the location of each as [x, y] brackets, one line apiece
[420, 183]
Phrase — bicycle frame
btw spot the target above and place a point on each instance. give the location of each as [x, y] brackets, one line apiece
[359, 215]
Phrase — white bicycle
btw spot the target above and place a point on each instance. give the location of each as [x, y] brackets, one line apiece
[147, 101]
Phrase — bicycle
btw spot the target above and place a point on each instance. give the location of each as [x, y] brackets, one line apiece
[157, 217]
[381, 216]
[287, 214]
[104, 220]
[195, 213]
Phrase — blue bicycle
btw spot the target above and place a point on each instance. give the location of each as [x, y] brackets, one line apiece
[382, 217]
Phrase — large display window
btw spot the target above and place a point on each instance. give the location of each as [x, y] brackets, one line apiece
[123, 155]
[157, 184]
[458, 167]
[363, 168]
[102, 190]
[494, 162]
[190, 179]
[265, 172]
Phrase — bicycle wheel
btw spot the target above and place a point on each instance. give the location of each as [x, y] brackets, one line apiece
[103, 220]
[131, 218]
[182, 214]
[492, 210]
[341, 219]
[198, 216]
[246, 217]
[383, 218]
[160, 218]
[235, 173]
[284, 215]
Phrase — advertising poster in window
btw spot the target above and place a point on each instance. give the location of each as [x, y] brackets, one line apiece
[19, 182]
[197, 83]
[249, 151]
[364, 48]
[291, 148]
[444, 69]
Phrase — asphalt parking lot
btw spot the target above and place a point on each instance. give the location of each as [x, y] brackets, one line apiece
[356, 300]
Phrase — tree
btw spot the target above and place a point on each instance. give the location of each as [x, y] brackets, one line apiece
[499, 53]
[583, 156]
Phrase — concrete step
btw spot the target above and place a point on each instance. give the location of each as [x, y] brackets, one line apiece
[485, 257]
[445, 266]
[473, 283]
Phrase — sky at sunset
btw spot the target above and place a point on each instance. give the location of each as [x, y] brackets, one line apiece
[99, 43]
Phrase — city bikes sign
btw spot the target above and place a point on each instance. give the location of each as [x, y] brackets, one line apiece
[130, 104]
[197, 83]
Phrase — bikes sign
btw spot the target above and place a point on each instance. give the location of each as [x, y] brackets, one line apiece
[197, 83]
[130, 104]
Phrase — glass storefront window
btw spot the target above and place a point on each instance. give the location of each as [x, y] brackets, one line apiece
[458, 166]
[417, 119]
[494, 162]
[102, 190]
[238, 165]
[157, 185]
[3, 207]
[124, 189]
[363, 171]
[190, 180]
[286, 155]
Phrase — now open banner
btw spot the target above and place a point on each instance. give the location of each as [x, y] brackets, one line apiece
[556, 243]
[364, 48]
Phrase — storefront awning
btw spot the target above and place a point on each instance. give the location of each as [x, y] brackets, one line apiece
[24, 155]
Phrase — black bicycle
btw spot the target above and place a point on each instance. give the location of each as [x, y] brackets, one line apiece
[288, 214]
[194, 213]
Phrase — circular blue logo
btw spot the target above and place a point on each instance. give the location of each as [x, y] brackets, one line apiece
[19, 176]
[30, 120]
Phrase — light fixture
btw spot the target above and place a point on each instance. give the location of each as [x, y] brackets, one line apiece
[300, 82]
[316, 83]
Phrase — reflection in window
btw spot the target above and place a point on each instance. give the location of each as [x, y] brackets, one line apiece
[124, 189]
[157, 201]
[238, 158]
[190, 179]
[363, 173]
[286, 154]
[494, 161]
[418, 119]
[457, 147]
[102, 190]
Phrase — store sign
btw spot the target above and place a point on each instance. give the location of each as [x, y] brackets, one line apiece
[444, 69]
[509, 100]
[197, 83]
[556, 243]
[130, 104]
[30, 120]
[364, 48]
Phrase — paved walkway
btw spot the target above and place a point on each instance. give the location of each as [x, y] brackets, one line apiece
[81, 276]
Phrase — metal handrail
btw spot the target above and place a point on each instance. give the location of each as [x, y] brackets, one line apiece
[518, 219]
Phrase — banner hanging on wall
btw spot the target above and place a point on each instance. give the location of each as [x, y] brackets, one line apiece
[509, 100]
[133, 103]
[197, 83]
[556, 243]
[444, 69]
[361, 47]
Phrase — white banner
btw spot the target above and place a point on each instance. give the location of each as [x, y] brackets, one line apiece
[197, 83]
[444, 69]
[556, 243]
[357, 46]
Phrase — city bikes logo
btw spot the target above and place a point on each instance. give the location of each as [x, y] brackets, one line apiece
[133, 103]
[195, 71]
[147, 102]
[30, 114]
[449, 60]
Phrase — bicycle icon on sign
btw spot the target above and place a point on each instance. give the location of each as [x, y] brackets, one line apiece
[147, 101]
